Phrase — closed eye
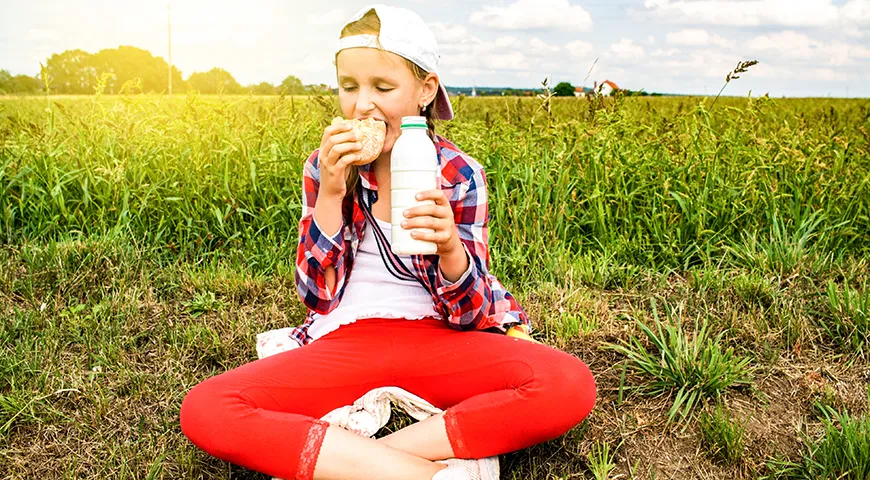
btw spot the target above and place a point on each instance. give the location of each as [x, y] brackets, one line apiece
[350, 89]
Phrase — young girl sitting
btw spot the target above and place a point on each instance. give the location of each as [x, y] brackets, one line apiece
[433, 325]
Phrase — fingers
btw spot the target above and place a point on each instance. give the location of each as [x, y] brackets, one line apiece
[338, 139]
[435, 194]
[426, 221]
[335, 134]
[432, 210]
[440, 237]
[336, 152]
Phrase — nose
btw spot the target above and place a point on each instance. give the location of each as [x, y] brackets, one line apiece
[364, 100]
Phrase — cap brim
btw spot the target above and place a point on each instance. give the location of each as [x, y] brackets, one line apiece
[442, 104]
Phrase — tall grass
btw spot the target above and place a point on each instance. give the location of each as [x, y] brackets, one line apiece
[198, 176]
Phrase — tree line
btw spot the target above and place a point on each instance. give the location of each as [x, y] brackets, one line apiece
[129, 69]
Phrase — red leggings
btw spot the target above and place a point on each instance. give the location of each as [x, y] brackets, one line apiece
[500, 394]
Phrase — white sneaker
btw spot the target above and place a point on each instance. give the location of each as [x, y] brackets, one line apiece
[469, 469]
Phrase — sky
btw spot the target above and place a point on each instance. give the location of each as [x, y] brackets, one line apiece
[804, 47]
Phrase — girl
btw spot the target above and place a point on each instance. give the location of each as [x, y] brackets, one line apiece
[433, 325]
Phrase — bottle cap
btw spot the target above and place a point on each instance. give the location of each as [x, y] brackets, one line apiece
[414, 122]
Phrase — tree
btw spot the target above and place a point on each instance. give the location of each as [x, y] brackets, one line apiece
[216, 80]
[23, 84]
[564, 89]
[263, 88]
[71, 72]
[291, 86]
[130, 63]
[77, 71]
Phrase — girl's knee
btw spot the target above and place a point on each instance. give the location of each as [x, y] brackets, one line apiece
[199, 414]
[570, 388]
[190, 415]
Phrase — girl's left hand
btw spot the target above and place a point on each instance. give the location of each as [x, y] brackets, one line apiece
[438, 217]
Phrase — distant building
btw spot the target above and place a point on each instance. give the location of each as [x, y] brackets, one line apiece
[606, 88]
[582, 91]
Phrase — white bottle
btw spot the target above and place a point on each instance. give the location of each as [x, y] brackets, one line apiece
[413, 169]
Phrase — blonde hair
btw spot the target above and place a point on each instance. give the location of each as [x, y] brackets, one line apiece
[371, 24]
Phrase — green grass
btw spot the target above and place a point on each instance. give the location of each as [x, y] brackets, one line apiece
[840, 452]
[722, 434]
[848, 319]
[146, 240]
[690, 367]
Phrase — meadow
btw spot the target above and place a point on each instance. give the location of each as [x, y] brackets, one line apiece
[708, 262]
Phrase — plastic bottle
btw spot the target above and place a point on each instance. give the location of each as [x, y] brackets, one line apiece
[413, 169]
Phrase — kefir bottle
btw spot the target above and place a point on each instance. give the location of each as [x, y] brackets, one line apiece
[413, 169]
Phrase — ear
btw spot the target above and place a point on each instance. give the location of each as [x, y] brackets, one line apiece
[429, 89]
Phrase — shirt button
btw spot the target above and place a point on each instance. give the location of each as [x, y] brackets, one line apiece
[330, 254]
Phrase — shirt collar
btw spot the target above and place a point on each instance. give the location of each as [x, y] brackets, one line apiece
[367, 176]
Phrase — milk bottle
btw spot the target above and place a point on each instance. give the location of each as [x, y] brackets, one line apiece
[413, 169]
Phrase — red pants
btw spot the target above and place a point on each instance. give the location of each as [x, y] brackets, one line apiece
[500, 394]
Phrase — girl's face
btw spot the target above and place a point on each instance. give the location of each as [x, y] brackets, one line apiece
[378, 84]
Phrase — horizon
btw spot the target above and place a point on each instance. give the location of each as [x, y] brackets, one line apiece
[819, 49]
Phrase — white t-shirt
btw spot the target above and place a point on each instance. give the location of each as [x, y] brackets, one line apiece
[373, 292]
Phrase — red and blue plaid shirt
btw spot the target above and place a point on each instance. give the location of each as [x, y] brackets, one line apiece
[476, 301]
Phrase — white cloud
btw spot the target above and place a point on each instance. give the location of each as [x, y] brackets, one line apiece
[541, 47]
[448, 32]
[660, 52]
[699, 63]
[801, 49]
[747, 13]
[534, 14]
[695, 37]
[625, 49]
[857, 11]
[579, 48]
[826, 74]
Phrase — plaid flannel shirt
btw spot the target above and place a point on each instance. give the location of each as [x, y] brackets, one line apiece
[475, 301]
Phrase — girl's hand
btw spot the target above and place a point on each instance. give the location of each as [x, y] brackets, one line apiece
[336, 158]
[438, 217]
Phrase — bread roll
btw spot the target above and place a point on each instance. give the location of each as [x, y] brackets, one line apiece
[370, 134]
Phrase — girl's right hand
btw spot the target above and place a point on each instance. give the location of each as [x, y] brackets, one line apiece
[336, 158]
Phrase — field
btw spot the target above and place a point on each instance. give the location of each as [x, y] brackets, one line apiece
[710, 263]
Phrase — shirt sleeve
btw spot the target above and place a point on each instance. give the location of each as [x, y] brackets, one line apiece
[468, 299]
[317, 250]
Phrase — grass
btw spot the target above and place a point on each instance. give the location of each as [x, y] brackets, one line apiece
[722, 434]
[146, 240]
[692, 368]
[841, 451]
[848, 321]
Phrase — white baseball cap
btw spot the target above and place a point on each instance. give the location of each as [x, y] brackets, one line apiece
[404, 33]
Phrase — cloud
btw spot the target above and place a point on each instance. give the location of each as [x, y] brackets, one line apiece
[579, 48]
[801, 49]
[625, 49]
[660, 52]
[752, 13]
[448, 32]
[534, 14]
[857, 11]
[698, 38]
